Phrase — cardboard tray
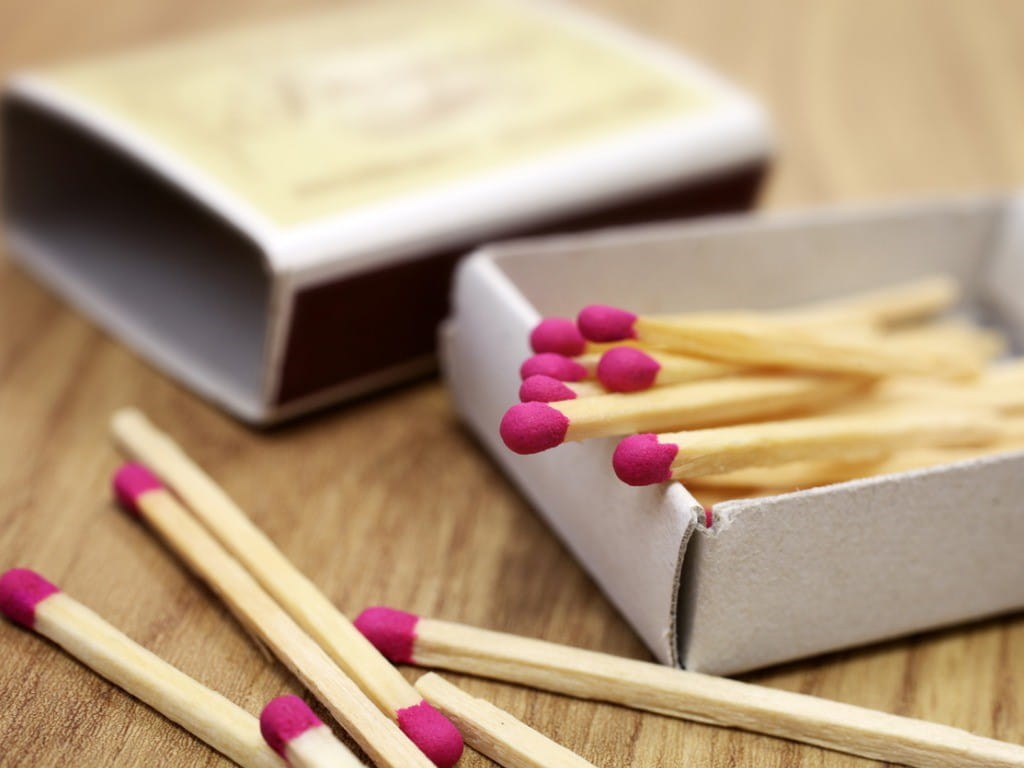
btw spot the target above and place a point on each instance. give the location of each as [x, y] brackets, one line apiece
[779, 578]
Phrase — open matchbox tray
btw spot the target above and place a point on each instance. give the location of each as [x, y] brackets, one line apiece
[777, 578]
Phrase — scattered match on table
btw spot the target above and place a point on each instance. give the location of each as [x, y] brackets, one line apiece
[295, 593]
[28, 599]
[143, 494]
[294, 732]
[409, 639]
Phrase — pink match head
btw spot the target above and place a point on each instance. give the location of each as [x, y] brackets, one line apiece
[284, 719]
[391, 632]
[558, 334]
[599, 322]
[544, 389]
[642, 460]
[131, 481]
[627, 369]
[554, 365]
[533, 427]
[21, 590]
[432, 732]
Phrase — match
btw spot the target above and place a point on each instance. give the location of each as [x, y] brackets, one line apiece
[494, 732]
[631, 369]
[532, 427]
[28, 599]
[292, 730]
[306, 604]
[545, 389]
[646, 459]
[558, 335]
[884, 308]
[755, 341]
[559, 366]
[806, 474]
[410, 639]
[142, 493]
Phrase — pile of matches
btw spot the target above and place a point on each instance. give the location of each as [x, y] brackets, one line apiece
[347, 665]
[739, 403]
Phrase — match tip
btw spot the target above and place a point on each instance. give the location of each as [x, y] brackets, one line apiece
[435, 735]
[21, 590]
[544, 389]
[533, 427]
[627, 369]
[558, 334]
[284, 719]
[131, 481]
[391, 632]
[599, 322]
[554, 365]
[642, 460]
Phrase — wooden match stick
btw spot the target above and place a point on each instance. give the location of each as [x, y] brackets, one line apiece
[805, 474]
[559, 366]
[142, 493]
[885, 307]
[647, 459]
[545, 389]
[306, 604]
[30, 600]
[754, 341]
[631, 369]
[895, 305]
[410, 639]
[292, 730]
[535, 426]
[494, 732]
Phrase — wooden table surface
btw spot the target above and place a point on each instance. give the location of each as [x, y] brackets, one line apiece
[389, 501]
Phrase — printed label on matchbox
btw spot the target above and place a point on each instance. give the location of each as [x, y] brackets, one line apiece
[310, 117]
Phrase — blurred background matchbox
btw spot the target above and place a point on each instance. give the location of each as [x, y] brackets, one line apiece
[271, 214]
[749, 583]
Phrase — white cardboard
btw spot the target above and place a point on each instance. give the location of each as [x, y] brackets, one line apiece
[779, 578]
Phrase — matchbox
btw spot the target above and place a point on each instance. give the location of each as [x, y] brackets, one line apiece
[271, 214]
[754, 582]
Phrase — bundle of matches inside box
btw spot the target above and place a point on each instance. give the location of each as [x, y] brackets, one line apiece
[347, 665]
[738, 403]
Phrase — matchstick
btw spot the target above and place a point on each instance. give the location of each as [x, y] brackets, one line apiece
[558, 335]
[886, 307]
[292, 730]
[755, 341]
[559, 366]
[409, 639]
[494, 732]
[631, 369]
[646, 459]
[306, 604]
[142, 493]
[30, 600]
[535, 426]
[545, 389]
[806, 474]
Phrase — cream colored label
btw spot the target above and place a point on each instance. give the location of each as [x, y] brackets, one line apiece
[321, 114]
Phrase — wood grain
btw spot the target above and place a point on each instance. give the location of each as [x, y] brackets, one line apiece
[389, 501]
